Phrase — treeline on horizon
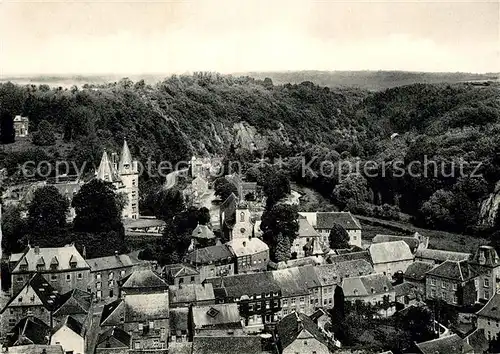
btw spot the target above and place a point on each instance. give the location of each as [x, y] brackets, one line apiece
[194, 114]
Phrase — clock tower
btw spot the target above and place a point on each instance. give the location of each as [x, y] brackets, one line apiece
[243, 227]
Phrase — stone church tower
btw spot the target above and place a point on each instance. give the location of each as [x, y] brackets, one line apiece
[243, 226]
[124, 175]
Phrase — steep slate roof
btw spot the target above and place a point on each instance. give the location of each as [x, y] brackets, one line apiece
[191, 293]
[63, 255]
[180, 270]
[144, 278]
[330, 274]
[326, 220]
[74, 302]
[364, 285]
[305, 228]
[210, 254]
[292, 325]
[411, 241]
[293, 282]
[490, 255]
[216, 316]
[109, 310]
[387, 252]
[405, 289]
[228, 344]
[179, 320]
[248, 284]
[49, 297]
[139, 307]
[416, 270]
[299, 262]
[492, 308]
[203, 232]
[445, 345]
[441, 255]
[246, 247]
[477, 340]
[116, 337]
[350, 257]
[125, 159]
[109, 262]
[454, 270]
[72, 324]
[29, 330]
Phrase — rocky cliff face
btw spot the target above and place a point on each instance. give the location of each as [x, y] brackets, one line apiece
[489, 207]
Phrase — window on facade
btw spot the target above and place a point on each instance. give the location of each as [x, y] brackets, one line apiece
[486, 282]
[181, 280]
[455, 299]
[258, 306]
[443, 284]
[285, 302]
[242, 216]
[137, 345]
[192, 279]
[111, 275]
[151, 324]
[53, 277]
[98, 285]
[98, 276]
[433, 281]
[99, 294]
[433, 293]
[80, 276]
[455, 287]
[292, 301]
[141, 327]
[122, 273]
[68, 277]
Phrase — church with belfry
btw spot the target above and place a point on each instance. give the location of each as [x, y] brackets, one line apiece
[123, 173]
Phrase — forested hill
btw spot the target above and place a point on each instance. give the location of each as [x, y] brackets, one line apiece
[205, 113]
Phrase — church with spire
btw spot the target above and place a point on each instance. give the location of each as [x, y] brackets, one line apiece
[124, 175]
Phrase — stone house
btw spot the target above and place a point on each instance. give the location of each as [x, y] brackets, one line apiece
[305, 236]
[70, 334]
[488, 318]
[212, 262]
[21, 126]
[390, 258]
[185, 295]
[142, 281]
[487, 263]
[448, 344]
[297, 333]
[217, 320]
[113, 341]
[415, 275]
[296, 289]
[252, 254]
[433, 256]
[178, 274]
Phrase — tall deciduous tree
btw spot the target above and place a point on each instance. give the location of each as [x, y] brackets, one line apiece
[338, 238]
[223, 188]
[47, 214]
[168, 203]
[44, 135]
[281, 248]
[279, 221]
[13, 230]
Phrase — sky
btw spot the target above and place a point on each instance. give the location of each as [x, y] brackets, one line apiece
[132, 37]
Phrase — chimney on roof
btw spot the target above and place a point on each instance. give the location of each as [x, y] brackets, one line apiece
[299, 322]
[37, 249]
[116, 253]
[244, 243]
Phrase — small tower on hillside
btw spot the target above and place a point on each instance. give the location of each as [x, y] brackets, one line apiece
[129, 175]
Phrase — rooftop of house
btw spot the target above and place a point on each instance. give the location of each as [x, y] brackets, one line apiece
[113, 338]
[179, 320]
[299, 262]
[55, 258]
[411, 241]
[417, 270]
[180, 270]
[486, 256]
[210, 254]
[330, 274]
[75, 301]
[291, 326]
[326, 220]
[144, 278]
[71, 323]
[405, 289]
[249, 284]
[49, 297]
[305, 228]
[350, 257]
[441, 255]
[227, 344]
[296, 281]
[477, 340]
[365, 285]
[219, 315]
[203, 232]
[492, 308]
[109, 262]
[245, 247]
[139, 307]
[454, 270]
[387, 252]
[29, 330]
[191, 293]
[20, 118]
[445, 345]
[36, 349]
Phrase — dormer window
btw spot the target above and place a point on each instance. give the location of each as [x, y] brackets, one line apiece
[355, 291]
[242, 216]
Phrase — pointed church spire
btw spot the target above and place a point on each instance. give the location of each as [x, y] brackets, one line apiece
[105, 171]
[125, 165]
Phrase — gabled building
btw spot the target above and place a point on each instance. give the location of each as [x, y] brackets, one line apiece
[29, 330]
[21, 126]
[191, 294]
[305, 236]
[444, 345]
[75, 303]
[374, 289]
[180, 331]
[390, 258]
[439, 256]
[124, 175]
[70, 334]
[323, 223]
[212, 262]
[453, 282]
[297, 333]
[37, 298]
[202, 236]
[415, 275]
[488, 318]
[142, 281]
[113, 341]
[239, 344]
[487, 263]
[350, 256]
[64, 267]
[105, 272]
[178, 274]
[251, 254]
[415, 242]
[217, 320]
[295, 290]
[36, 348]
[144, 316]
